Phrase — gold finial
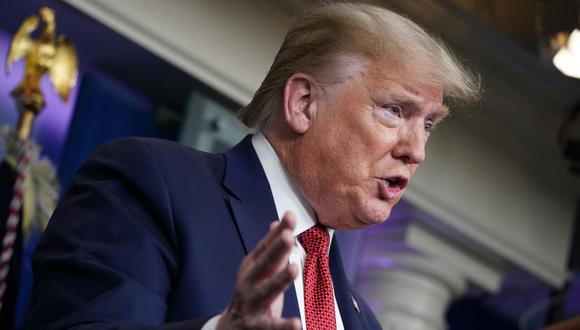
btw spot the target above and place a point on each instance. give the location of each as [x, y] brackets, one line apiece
[47, 54]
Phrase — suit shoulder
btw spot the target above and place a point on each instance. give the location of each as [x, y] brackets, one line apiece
[155, 145]
[138, 157]
[162, 150]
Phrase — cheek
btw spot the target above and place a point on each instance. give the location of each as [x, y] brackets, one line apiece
[364, 154]
[412, 169]
[354, 157]
[354, 143]
[379, 148]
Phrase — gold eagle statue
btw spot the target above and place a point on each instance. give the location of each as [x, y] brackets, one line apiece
[46, 54]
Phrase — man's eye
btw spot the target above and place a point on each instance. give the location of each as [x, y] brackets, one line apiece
[394, 109]
[429, 127]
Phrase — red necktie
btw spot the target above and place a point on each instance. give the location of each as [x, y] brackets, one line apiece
[318, 294]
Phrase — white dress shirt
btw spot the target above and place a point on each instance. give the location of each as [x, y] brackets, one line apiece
[287, 198]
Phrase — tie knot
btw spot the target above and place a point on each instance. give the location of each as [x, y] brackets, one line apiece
[315, 240]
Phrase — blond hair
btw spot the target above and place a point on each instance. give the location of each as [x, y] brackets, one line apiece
[320, 40]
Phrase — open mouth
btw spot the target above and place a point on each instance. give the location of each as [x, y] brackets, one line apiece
[397, 182]
[392, 187]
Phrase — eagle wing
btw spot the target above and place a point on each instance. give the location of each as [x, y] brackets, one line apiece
[21, 43]
[64, 70]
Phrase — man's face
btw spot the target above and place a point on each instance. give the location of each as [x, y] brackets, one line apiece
[364, 144]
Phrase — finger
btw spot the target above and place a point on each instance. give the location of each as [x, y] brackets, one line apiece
[273, 259]
[274, 224]
[277, 323]
[289, 220]
[268, 290]
[265, 241]
[283, 324]
[276, 228]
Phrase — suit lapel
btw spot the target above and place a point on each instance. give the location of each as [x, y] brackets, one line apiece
[252, 204]
[349, 310]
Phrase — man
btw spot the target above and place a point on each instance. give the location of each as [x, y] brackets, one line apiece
[155, 234]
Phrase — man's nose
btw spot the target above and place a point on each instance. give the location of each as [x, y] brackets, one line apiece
[411, 144]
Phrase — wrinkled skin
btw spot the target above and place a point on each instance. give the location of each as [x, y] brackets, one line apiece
[263, 276]
[366, 128]
[338, 143]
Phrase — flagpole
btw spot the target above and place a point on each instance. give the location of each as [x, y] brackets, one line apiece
[45, 55]
[13, 221]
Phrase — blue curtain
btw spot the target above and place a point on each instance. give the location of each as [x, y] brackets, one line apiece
[105, 111]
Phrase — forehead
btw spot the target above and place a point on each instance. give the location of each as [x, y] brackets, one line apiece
[401, 86]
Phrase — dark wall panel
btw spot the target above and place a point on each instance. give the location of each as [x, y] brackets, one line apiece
[104, 111]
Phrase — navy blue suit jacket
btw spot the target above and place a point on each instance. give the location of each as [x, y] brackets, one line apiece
[151, 234]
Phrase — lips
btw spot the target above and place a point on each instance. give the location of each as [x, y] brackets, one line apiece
[392, 187]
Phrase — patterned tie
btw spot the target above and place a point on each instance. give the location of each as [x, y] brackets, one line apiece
[318, 295]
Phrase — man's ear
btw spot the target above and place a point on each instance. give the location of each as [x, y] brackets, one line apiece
[300, 101]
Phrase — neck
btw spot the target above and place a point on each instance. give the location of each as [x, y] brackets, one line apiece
[299, 161]
[286, 144]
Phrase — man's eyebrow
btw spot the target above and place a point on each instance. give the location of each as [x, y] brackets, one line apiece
[409, 99]
[440, 113]
[414, 100]
[406, 99]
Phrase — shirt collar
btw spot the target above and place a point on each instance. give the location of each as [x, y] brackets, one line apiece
[286, 195]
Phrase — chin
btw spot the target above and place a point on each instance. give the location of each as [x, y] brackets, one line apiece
[373, 214]
[378, 218]
[358, 212]
[357, 219]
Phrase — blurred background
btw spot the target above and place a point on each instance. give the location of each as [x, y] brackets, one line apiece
[487, 236]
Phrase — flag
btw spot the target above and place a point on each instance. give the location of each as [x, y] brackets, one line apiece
[29, 191]
[8, 176]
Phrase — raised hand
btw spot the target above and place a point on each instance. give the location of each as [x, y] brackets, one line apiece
[262, 278]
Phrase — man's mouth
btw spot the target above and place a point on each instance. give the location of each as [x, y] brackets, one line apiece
[392, 187]
[397, 182]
